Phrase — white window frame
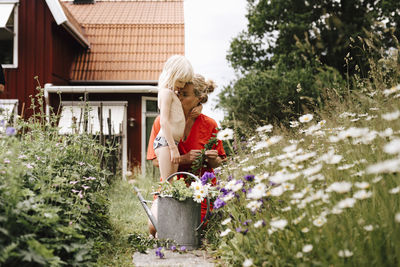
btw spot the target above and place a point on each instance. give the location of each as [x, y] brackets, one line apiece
[144, 115]
[13, 104]
[14, 65]
[124, 126]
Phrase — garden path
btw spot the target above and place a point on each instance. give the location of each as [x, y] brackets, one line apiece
[193, 258]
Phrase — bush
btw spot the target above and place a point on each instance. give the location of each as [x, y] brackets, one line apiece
[53, 203]
[277, 95]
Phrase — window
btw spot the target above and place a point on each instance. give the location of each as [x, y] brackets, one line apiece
[9, 33]
[149, 114]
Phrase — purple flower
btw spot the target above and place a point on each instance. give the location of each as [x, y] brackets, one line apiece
[224, 191]
[160, 252]
[249, 177]
[246, 222]
[219, 203]
[272, 183]
[207, 176]
[10, 131]
[183, 249]
[239, 230]
[173, 247]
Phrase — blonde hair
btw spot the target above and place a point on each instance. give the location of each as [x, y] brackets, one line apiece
[177, 67]
[202, 88]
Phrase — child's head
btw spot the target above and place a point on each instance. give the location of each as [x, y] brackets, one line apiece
[176, 72]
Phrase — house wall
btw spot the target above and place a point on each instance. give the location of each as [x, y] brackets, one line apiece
[43, 50]
[134, 110]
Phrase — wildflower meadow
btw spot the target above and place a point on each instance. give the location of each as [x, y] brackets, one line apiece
[324, 192]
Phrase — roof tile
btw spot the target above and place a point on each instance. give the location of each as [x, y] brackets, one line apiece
[130, 40]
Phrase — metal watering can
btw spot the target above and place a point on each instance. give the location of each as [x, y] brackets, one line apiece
[177, 220]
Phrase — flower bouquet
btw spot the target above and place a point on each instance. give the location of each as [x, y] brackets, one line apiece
[181, 188]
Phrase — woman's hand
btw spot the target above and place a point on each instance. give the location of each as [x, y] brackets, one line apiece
[195, 112]
[212, 158]
[211, 154]
[174, 154]
[189, 157]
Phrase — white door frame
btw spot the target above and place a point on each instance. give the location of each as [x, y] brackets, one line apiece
[144, 113]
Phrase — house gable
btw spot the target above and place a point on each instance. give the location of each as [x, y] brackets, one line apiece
[130, 40]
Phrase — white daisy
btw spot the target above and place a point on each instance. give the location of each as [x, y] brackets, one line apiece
[258, 223]
[339, 187]
[307, 248]
[368, 228]
[225, 134]
[247, 263]
[224, 233]
[319, 221]
[362, 185]
[306, 118]
[257, 192]
[253, 205]
[391, 116]
[393, 147]
[397, 217]
[345, 253]
[226, 221]
[362, 194]
[265, 128]
[346, 203]
[387, 166]
[278, 223]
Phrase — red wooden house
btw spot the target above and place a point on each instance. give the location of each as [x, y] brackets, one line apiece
[109, 51]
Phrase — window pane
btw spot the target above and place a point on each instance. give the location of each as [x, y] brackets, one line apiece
[6, 51]
[149, 125]
[7, 42]
[151, 106]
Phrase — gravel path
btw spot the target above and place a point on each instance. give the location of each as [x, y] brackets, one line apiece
[192, 258]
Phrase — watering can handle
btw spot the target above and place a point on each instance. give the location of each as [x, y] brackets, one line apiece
[198, 180]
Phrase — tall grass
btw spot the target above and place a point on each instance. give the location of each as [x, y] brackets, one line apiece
[325, 192]
[128, 219]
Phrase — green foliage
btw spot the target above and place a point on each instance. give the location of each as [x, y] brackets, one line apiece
[177, 189]
[277, 95]
[317, 44]
[53, 203]
[325, 193]
[327, 25]
[199, 163]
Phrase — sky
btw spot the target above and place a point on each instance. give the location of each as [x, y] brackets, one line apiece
[210, 25]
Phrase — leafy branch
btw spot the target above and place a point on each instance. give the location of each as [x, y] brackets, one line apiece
[200, 162]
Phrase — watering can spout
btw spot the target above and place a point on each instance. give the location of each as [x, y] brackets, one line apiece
[146, 208]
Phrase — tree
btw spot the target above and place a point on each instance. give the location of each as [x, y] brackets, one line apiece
[328, 25]
[314, 44]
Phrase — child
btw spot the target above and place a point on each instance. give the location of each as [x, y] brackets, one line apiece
[176, 73]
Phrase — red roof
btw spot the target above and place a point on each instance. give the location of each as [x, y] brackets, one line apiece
[129, 40]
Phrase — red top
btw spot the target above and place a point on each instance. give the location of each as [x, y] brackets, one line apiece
[202, 130]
